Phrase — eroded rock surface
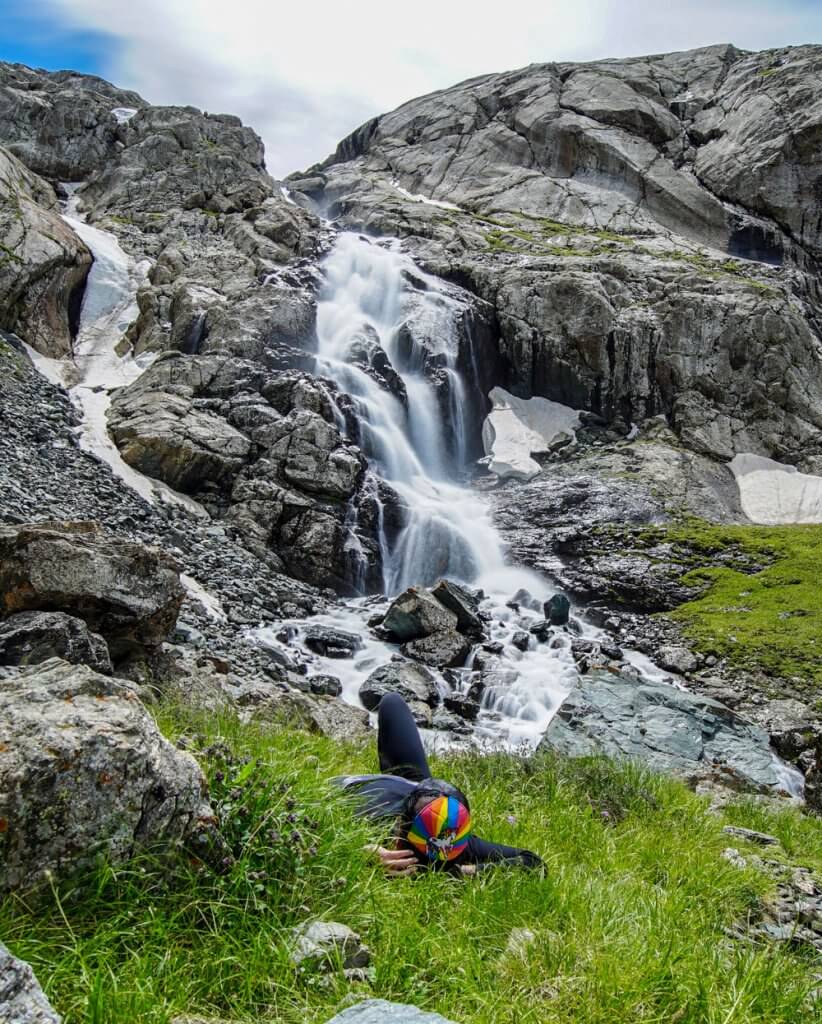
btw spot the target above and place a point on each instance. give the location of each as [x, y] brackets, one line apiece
[668, 729]
[84, 771]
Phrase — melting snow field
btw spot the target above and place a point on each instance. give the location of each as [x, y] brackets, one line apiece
[517, 427]
[774, 494]
[98, 364]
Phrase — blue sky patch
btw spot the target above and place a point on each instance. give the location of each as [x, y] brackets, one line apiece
[36, 38]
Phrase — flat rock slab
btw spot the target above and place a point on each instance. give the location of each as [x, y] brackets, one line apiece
[380, 1011]
[670, 730]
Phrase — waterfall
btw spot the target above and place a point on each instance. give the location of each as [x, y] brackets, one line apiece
[373, 299]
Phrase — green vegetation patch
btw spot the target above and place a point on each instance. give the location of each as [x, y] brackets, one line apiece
[628, 919]
[769, 620]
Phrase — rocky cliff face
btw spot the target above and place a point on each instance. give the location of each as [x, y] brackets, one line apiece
[645, 230]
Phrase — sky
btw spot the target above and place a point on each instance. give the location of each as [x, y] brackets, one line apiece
[305, 73]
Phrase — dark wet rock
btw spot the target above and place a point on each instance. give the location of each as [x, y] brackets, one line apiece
[22, 1000]
[444, 649]
[83, 771]
[462, 706]
[793, 726]
[522, 599]
[28, 638]
[411, 681]
[463, 604]
[415, 614]
[666, 728]
[445, 721]
[326, 686]
[557, 609]
[521, 640]
[129, 593]
[331, 643]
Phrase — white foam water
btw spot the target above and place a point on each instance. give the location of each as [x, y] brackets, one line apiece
[375, 295]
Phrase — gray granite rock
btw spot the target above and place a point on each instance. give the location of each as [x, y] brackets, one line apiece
[380, 1011]
[22, 1001]
[28, 638]
[84, 771]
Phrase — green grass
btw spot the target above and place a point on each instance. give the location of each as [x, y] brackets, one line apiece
[628, 917]
[769, 620]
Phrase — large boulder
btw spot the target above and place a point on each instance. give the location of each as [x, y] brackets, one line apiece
[28, 638]
[413, 683]
[670, 730]
[127, 592]
[163, 436]
[85, 772]
[22, 1001]
[43, 264]
[414, 614]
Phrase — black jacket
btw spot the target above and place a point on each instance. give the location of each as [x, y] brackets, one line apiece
[384, 796]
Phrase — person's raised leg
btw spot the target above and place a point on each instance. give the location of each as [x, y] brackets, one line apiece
[398, 740]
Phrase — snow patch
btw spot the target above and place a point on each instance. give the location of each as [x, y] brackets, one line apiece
[516, 427]
[773, 494]
[424, 199]
[122, 115]
[195, 590]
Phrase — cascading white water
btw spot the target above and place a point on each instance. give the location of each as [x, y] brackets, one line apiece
[448, 531]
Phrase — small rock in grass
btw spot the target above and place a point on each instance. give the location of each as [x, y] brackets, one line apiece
[327, 943]
[760, 838]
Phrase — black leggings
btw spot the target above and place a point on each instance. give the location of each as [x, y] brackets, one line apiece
[398, 740]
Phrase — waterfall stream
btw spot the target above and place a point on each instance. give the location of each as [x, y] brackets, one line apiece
[414, 428]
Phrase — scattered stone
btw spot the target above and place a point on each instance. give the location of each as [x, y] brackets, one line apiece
[760, 838]
[677, 659]
[521, 640]
[22, 1001]
[327, 945]
[462, 706]
[327, 686]
[557, 610]
[463, 604]
[734, 857]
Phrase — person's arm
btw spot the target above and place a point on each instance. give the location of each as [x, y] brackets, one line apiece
[482, 854]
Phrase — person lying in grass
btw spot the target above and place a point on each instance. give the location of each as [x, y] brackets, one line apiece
[433, 818]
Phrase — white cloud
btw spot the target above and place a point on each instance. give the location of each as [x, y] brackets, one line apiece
[306, 74]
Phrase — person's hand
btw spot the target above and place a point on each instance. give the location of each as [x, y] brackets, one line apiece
[468, 869]
[396, 863]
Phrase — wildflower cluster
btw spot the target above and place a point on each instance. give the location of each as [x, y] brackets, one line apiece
[269, 836]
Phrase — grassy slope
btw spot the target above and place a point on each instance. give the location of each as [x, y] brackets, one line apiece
[769, 621]
[628, 918]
